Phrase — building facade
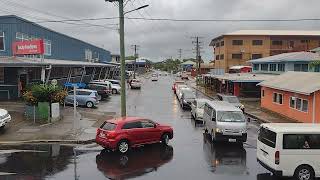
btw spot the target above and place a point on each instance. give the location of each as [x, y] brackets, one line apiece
[65, 58]
[278, 64]
[295, 95]
[238, 47]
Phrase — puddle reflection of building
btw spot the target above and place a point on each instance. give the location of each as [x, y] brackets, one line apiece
[225, 158]
[136, 163]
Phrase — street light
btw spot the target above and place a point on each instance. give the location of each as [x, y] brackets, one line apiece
[122, 54]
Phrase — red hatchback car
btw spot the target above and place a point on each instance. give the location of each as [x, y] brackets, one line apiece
[123, 133]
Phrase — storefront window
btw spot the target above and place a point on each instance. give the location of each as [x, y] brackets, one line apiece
[47, 47]
[1, 75]
[2, 47]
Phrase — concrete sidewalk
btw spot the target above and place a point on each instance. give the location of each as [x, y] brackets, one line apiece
[252, 108]
[20, 130]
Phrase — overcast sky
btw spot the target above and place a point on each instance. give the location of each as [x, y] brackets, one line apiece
[160, 39]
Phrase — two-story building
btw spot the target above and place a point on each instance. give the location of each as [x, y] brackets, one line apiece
[236, 48]
[64, 58]
[278, 64]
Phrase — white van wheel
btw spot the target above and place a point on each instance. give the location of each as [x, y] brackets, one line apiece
[304, 173]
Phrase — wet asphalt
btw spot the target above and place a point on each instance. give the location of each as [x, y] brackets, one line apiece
[190, 155]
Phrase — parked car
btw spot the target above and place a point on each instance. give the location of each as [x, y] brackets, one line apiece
[197, 108]
[84, 97]
[123, 133]
[135, 84]
[175, 84]
[5, 118]
[184, 75]
[224, 122]
[290, 149]
[102, 82]
[178, 89]
[154, 77]
[116, 88]
[113, 81]
[187, 97]
[103, 91]
[231, 99]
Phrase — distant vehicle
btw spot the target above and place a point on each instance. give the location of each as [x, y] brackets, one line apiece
[103, 91]
[224, 122]
[231, 99]
[84, 97]
[134, 164]
[5, 118]
[187, 97]
[178, 74]
[179, 86]
[135, 84]
[197, 108]
[184, 75]
[123, 133]
[175, 84]
[290, 149]
[154, 77]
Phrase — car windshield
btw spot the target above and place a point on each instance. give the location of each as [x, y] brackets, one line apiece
[189, 95]
[231, 116]
[232, 99]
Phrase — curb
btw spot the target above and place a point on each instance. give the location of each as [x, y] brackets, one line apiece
[246, 113]
[48, 141]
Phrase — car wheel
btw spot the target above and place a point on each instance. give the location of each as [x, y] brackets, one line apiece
[2, 127]
[114, 91]
[304, 173]
[89, 104]
[123, 146]
[165, 139]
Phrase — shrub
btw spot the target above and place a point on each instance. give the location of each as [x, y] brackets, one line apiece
[44, 93]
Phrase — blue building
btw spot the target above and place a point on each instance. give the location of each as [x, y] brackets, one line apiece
[65, 58]
[278, 64]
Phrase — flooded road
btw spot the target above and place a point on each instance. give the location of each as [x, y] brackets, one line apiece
[191, 155]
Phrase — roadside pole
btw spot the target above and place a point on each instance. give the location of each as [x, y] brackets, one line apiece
[74, 107]
[122, 59]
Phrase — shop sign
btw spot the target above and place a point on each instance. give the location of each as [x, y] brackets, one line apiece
[28, 47]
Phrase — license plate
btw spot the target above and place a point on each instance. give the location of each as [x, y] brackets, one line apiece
[232, 140]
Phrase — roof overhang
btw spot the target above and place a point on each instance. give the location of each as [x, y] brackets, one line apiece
[37, 62]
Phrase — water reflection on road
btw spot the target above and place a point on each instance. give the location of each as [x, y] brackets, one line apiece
[137, 163]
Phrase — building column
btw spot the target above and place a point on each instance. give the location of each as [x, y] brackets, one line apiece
[236, 89]
[83, 73]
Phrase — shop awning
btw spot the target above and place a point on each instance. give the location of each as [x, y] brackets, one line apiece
[37, 62]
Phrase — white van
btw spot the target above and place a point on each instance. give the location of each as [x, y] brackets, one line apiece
[290, 149]
[224, 122]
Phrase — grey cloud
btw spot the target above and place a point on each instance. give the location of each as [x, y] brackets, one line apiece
[159, 39]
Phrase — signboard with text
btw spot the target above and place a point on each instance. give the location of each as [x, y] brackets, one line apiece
[28, 47]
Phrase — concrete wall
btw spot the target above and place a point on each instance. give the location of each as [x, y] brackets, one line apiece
[285, 109]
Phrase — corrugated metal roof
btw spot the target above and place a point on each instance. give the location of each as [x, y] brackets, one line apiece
[275, 32]
[289, 57]
[21, 62]
[243, 77]
[298, 82]
[188, 63]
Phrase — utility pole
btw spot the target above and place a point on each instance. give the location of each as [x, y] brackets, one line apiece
[122, 58]
[180, 54]
[198, 48]
[135, 47]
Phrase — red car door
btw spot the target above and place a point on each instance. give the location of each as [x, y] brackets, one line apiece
[134, 131]
[151, 132]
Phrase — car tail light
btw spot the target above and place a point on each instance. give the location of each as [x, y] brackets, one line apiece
[277, 157]
[111, 135]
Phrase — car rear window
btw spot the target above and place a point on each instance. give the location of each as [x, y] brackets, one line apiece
[267, 137]
[108, 126]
